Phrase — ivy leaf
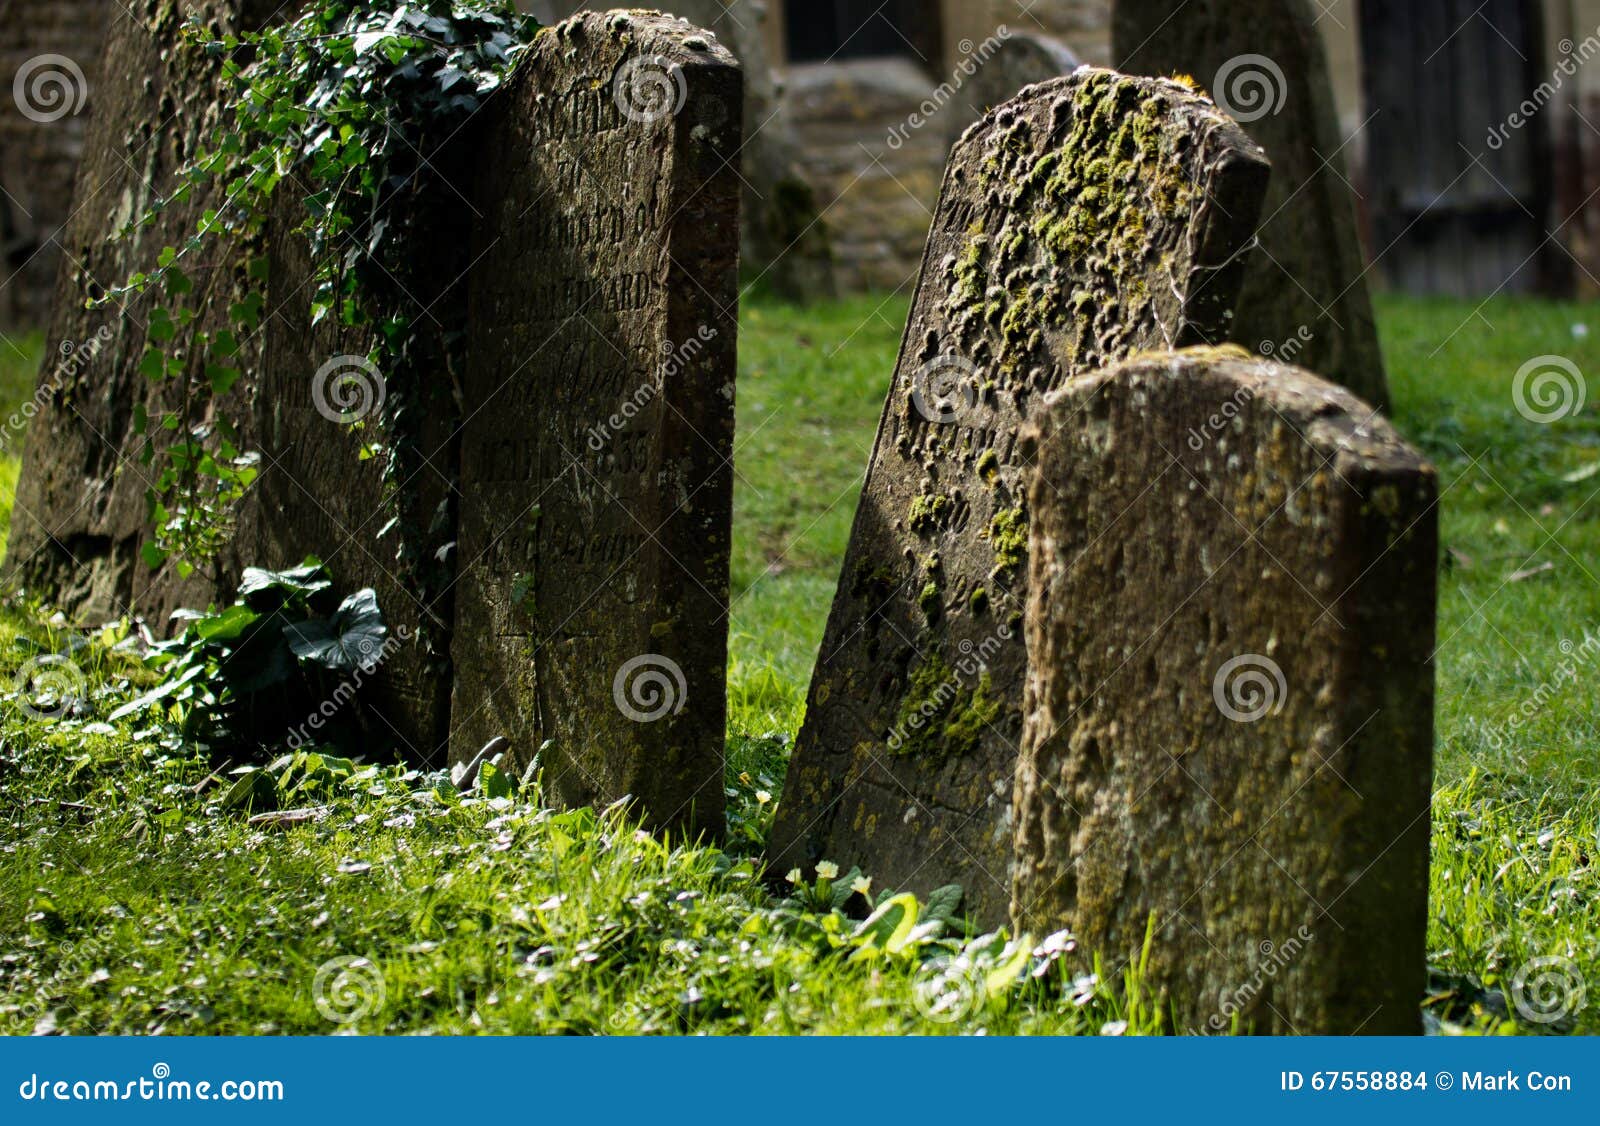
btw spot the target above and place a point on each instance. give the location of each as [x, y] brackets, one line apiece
[221, 378]
[352, 639]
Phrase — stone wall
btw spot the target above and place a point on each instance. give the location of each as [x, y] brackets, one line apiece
[41, 138]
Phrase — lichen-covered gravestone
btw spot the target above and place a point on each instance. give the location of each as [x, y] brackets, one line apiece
[1230, 693]
[1304, 297]
[1092, 217]
[596, 479]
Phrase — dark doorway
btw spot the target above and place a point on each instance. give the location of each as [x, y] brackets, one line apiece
[1459, 195]
[832, 30]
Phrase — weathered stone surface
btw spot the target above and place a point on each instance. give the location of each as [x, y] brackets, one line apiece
[596, 456]
[785, 240]
[50, 47]
[1304, 298]
[80, 517]
[1230, 693]
[1093, 217]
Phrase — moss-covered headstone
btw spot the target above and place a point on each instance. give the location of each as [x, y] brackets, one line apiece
[596, 469]
[1095, 216]
[1228, 751]
[1304, 298]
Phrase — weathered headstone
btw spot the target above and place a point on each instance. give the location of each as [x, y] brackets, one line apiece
[1095, 216]
[596, 477]
[1230, 693]
[785, 236]
[81, 519]
[1304, 298]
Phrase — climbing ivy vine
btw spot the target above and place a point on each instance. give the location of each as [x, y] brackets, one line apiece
[347, 108]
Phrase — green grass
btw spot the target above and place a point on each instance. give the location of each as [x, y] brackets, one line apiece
[132, 900]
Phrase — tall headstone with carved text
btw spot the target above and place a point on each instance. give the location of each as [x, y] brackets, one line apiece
[1226, 768]
[1092, 217]
[596, 457]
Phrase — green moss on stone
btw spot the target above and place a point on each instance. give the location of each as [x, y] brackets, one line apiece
[988, 464]
[940, 714]
[926, 511]
[1008, 536]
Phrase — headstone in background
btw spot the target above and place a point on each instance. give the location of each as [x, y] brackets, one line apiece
[1016, 59]
[1230, 693]
[1304, 298]
[596, 477]
[1096, 216]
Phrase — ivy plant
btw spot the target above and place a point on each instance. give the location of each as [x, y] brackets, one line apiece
[284, 665]
[346, 107]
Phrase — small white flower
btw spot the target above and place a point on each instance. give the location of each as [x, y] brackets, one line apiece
[826, 869]
[794, 876]
[863, 884]
[763, 797]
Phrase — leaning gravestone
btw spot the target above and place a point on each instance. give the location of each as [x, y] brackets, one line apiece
[596, 479]
[1230, 693]
[1304, 297]
[1094, 216]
